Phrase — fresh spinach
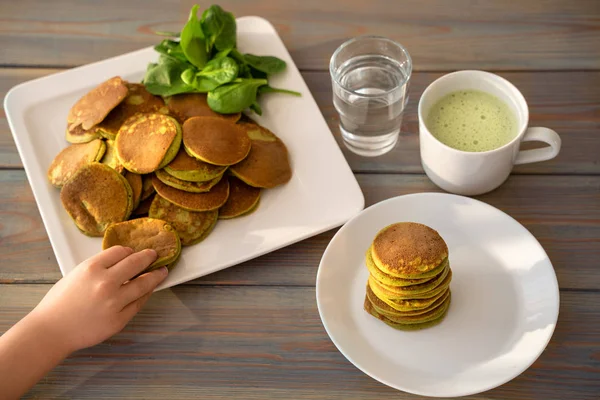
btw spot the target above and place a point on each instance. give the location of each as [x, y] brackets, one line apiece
[256, 108]
[193, 41]
[164, 78]
[268, 64]
[234, 97]
[171, 48]
[221, 70]
[220, 28]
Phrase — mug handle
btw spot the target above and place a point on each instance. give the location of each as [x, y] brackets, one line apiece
[546, 153]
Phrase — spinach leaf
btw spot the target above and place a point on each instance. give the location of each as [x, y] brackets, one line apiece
[220, 28]
[268, 64]
[221, 70]
[270, 89]
[193, 42]
[164, 78]
[235, 96]
[221, 54]
[171, 48]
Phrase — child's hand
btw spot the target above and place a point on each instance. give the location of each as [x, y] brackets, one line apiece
[93, 302]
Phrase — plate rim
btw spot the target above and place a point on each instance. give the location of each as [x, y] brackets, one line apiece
[14, 110]
[519, 371]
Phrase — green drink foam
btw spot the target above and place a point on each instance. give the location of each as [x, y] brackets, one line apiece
[472, 120]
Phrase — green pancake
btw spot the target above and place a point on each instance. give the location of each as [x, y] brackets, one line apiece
[135, 182]
[145, 233]
[390, 280]
[243, 199]
[407, 327]
[215, 140]
[147, 187]
[192, 187]
[148, 142]
[384, 309]
[406, 304]
[110, 157]
[191, 226]
[267, 164]
[66, 163]
[80, 135]
[414, 291]
[96, 197]
[188, 168]
[208, 201]
[385, 292]
[409, 250]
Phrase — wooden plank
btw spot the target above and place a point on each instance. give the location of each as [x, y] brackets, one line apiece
[568, 102]
[440, 35]
[563, 212]
[263, 343]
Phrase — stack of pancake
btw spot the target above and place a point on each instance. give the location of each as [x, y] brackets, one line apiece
[409, 281]
[174, 160]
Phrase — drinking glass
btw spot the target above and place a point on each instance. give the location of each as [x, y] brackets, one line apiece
[370, 76]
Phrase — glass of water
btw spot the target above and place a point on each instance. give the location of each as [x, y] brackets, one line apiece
[370, 77]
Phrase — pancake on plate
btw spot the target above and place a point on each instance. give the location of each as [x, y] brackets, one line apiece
[145, 233]
[188, 168]
[215, 140]
[110, 157]
[267, 165]
[72, 158]
[95, 105]
[212, 200]
[147, 142]
[409, 250]
[408, 327]
[96, 197]
[384, 309]
[138, 101]
[135, 181]
[390, 280]
[80, 135]
[192, 187]
[385, 292]
[242, 200]
[192, 226]
[188, 105]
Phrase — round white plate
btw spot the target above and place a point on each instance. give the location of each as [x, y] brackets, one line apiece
[504, 306]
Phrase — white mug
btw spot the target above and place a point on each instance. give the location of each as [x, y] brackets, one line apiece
[473, 173]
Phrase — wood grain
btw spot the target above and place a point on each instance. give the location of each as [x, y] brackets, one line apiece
[562, 212]
[568, 102]
[440, 35]
[268, 343]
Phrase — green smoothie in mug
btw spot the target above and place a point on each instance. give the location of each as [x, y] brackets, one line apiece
[472, 120]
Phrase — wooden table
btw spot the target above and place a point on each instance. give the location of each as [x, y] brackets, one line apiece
[253, 331]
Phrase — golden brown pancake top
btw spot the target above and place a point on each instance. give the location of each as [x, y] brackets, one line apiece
[69, 160]
[138, 101]
[95, 105]
[135, 181]
[208, 201]
[143, 141]
[96, 197]
[242, 198]
[267, 165]
[145, 233]
[79, 135]
[215, 140]
[188, 105]
[184, 162]
[409, 248]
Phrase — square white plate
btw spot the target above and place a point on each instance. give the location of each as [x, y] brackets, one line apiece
[321, 195]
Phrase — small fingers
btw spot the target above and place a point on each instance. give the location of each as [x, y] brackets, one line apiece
[109, 257]
[131, 266]
[142, 285]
